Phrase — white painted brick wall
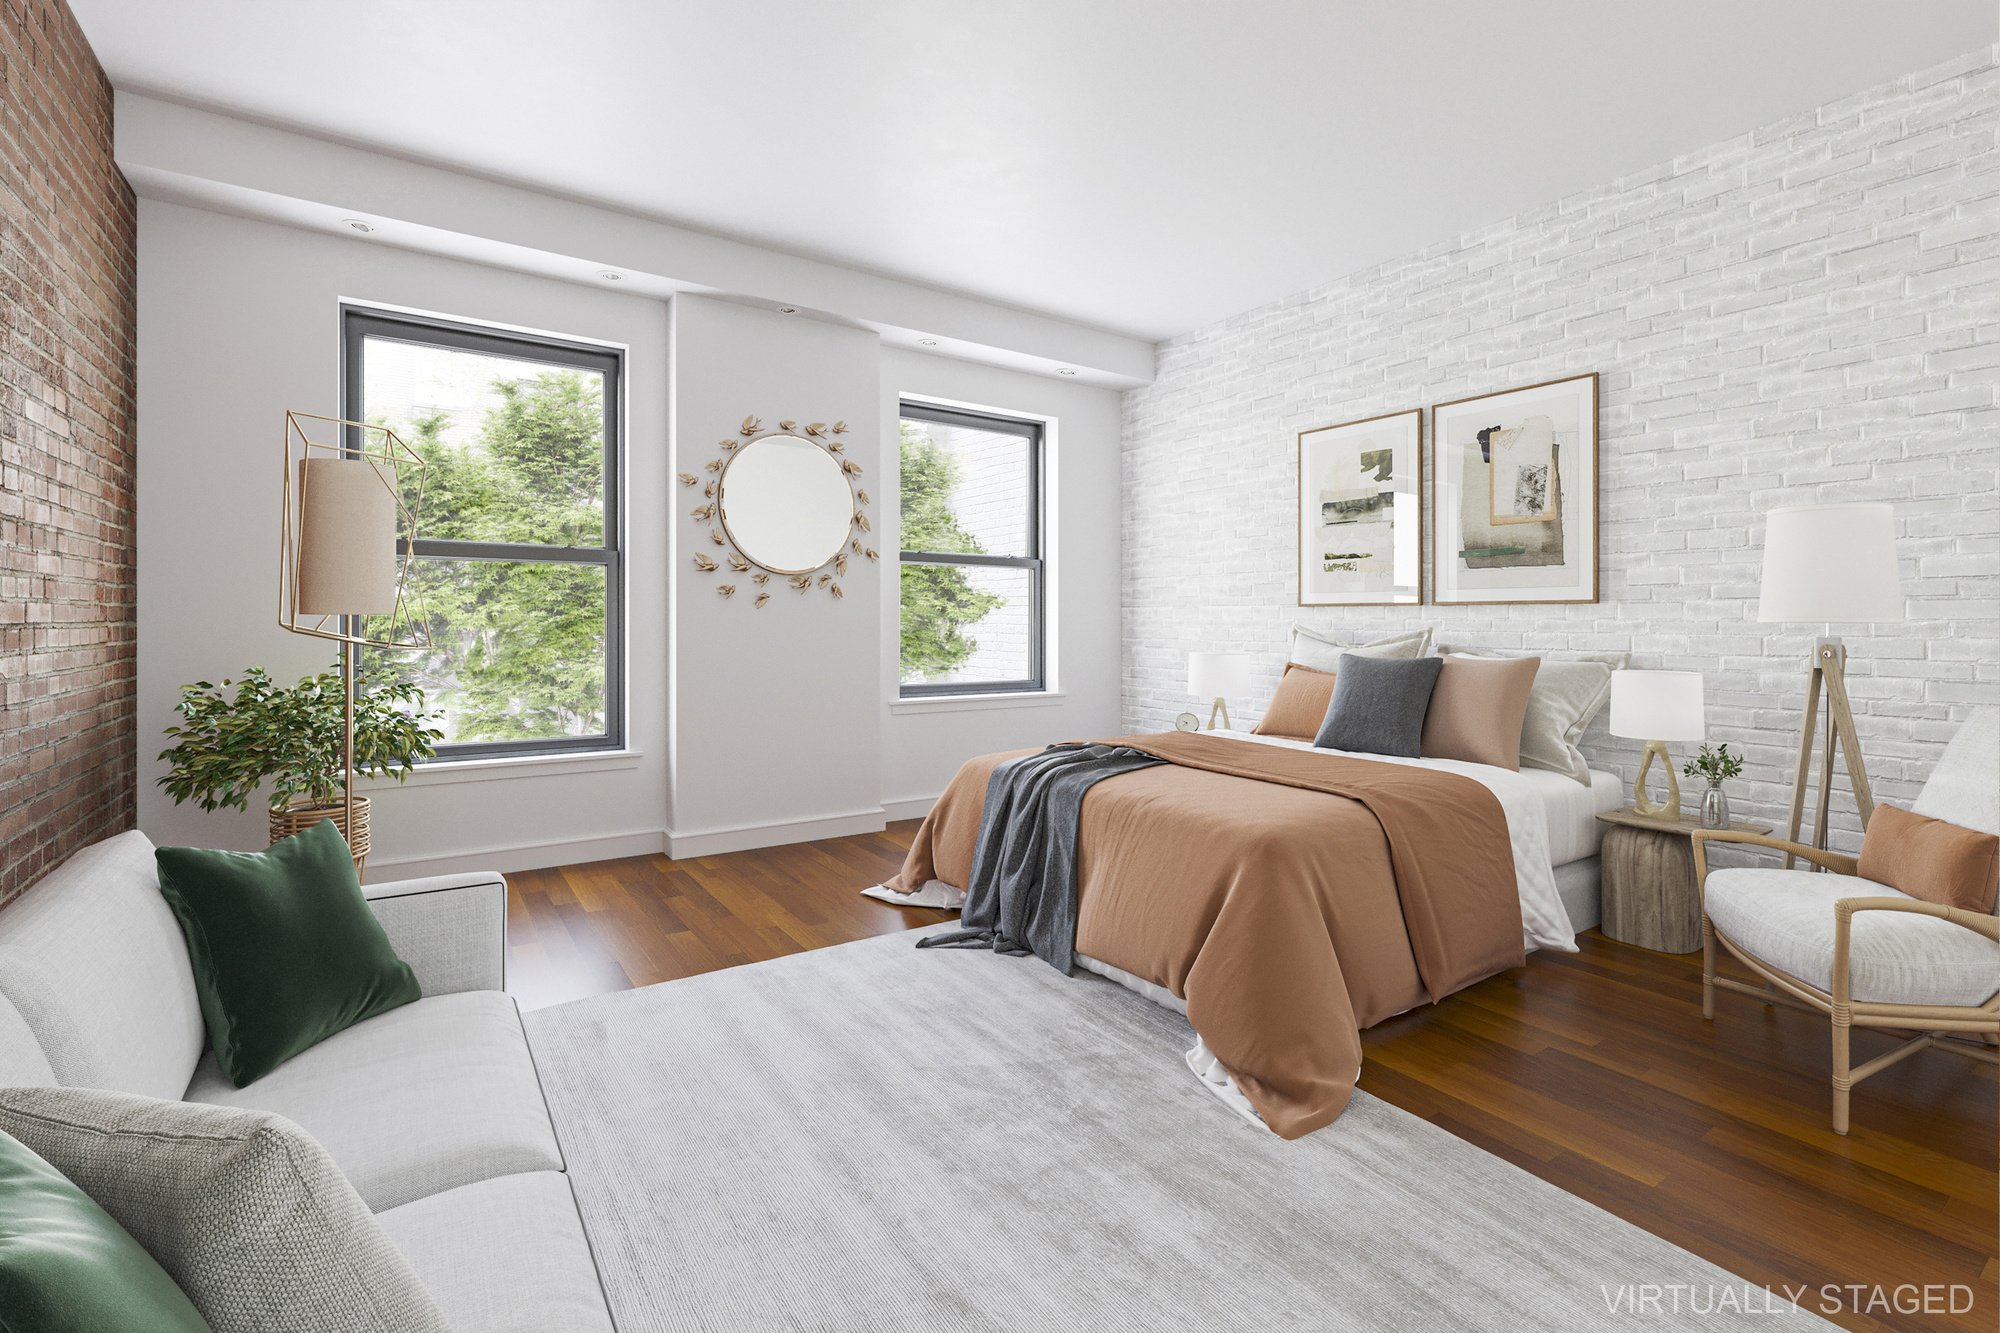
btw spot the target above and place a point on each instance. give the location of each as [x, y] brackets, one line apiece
[1806, 313]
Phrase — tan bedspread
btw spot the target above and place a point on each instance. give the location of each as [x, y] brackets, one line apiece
[1290, 897]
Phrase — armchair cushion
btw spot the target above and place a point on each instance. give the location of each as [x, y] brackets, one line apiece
[1785, 919]
[1931, 859]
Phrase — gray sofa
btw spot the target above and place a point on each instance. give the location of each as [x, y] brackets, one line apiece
[433, 1110]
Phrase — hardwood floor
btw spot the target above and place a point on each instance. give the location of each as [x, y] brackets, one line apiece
[1594, 1071]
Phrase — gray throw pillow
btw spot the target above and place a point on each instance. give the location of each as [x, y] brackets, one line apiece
[1379, 705]
[244, 1210]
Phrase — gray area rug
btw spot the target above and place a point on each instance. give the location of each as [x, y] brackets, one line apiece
[879, 1137]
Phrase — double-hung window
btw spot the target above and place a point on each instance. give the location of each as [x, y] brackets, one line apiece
[973, 573]
[516, 560]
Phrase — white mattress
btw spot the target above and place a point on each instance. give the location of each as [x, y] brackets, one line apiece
[1570, 810]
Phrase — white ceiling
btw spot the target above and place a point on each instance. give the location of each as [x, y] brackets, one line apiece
[1140, 166]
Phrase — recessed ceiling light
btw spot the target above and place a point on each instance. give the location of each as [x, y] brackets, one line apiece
[788, 310]
[610, 276]
[1064, 370]
[358, 225]
[927, 342]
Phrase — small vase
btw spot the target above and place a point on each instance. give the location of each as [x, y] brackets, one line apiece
[1715, 805]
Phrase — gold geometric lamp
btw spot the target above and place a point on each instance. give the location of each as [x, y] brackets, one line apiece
[339, 561]
[1830, 564]
[1657, 707]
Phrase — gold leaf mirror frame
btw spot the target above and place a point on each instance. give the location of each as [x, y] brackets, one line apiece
[828, 572]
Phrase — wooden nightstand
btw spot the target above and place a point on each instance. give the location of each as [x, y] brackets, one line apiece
[1647, 879]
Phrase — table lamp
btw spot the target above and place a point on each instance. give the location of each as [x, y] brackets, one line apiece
[340, 561]
[1830, 564]
[1214, 675]
[1657, 707]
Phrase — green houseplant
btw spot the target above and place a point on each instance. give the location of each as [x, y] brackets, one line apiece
[1714, 765]
[292, 737]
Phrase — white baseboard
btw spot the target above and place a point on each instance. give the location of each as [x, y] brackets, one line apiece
[910, 807]
[526, 856]
[777, 833]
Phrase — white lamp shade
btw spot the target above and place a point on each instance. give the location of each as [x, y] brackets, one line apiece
[347, 537]
[1219, 675]
[1831, 563]
[1657, 705]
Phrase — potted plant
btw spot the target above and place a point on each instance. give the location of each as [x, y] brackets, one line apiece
[294, 738]
[1715, 765]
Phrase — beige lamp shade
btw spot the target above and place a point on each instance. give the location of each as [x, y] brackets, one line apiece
[347, 537]
[1831, 563]
[1219, 675]
[1657, 705]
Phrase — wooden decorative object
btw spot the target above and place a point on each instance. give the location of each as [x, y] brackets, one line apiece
[1671, 810]
[302, 815]
[1651, 895]
[1829, 669]
[1926, 1025]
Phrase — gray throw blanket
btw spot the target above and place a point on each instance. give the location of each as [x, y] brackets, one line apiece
[1022, 894]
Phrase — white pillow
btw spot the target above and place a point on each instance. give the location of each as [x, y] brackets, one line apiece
[1313, 648]
[244, 1210]
[1569, 691]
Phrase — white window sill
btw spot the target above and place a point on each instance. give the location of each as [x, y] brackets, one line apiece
[957, 703]
[451, 771]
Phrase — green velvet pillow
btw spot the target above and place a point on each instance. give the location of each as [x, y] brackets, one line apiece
[66, 1267]
[284, 948]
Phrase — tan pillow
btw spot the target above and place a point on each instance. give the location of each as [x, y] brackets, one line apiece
[1569, 691]
[1312, 648]
[1930, 859]
[1477, 708]
[244, 1210]
[1300, 704]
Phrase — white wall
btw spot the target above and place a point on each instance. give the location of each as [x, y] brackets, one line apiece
[1803, 314]
[238, 321]
[923, 743]
[778, 733]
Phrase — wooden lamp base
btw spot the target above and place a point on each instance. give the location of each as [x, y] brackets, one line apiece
[1671, 810]
[1829, 670]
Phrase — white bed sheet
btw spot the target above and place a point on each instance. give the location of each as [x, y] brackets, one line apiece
[1570, 810]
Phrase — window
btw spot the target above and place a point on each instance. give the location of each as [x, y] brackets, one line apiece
[517, 550]
[972, 568]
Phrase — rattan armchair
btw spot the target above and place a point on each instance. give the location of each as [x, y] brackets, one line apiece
[1943, 1026]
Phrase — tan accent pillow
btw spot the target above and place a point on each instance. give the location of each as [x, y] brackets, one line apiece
[1930, 859]
[244, 1210]
[1568, 693]
[1312, 648]
[1477, 708]
[1300, 704]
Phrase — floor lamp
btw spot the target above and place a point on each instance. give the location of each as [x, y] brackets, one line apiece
[339, 557]
[1831, 564]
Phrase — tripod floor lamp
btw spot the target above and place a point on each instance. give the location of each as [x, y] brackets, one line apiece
[340, 562]
[1830, 564]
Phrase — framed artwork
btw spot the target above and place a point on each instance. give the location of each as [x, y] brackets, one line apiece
[1361, 512]
[1514, 495]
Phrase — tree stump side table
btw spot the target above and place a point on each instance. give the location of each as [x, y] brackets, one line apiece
[1647, 879]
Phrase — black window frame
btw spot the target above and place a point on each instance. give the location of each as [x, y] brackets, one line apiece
[1034, 562]
[358, 323]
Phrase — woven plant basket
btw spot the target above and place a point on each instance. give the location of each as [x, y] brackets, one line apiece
[302, 815]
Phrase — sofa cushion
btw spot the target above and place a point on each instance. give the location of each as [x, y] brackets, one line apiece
[284, 948]
[243, 1210]
[506, 1255]
[94, 960]
[1964, 788]
[22, 1064]
[1931, 859]
[1785, 918]
[422, 1099]
[67, 1267]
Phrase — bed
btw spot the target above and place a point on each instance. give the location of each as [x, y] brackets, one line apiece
[1285, 896]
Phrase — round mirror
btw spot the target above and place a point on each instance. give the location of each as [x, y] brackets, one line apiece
[786, 504]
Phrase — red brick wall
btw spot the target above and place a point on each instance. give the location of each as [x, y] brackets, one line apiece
[68, 231]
